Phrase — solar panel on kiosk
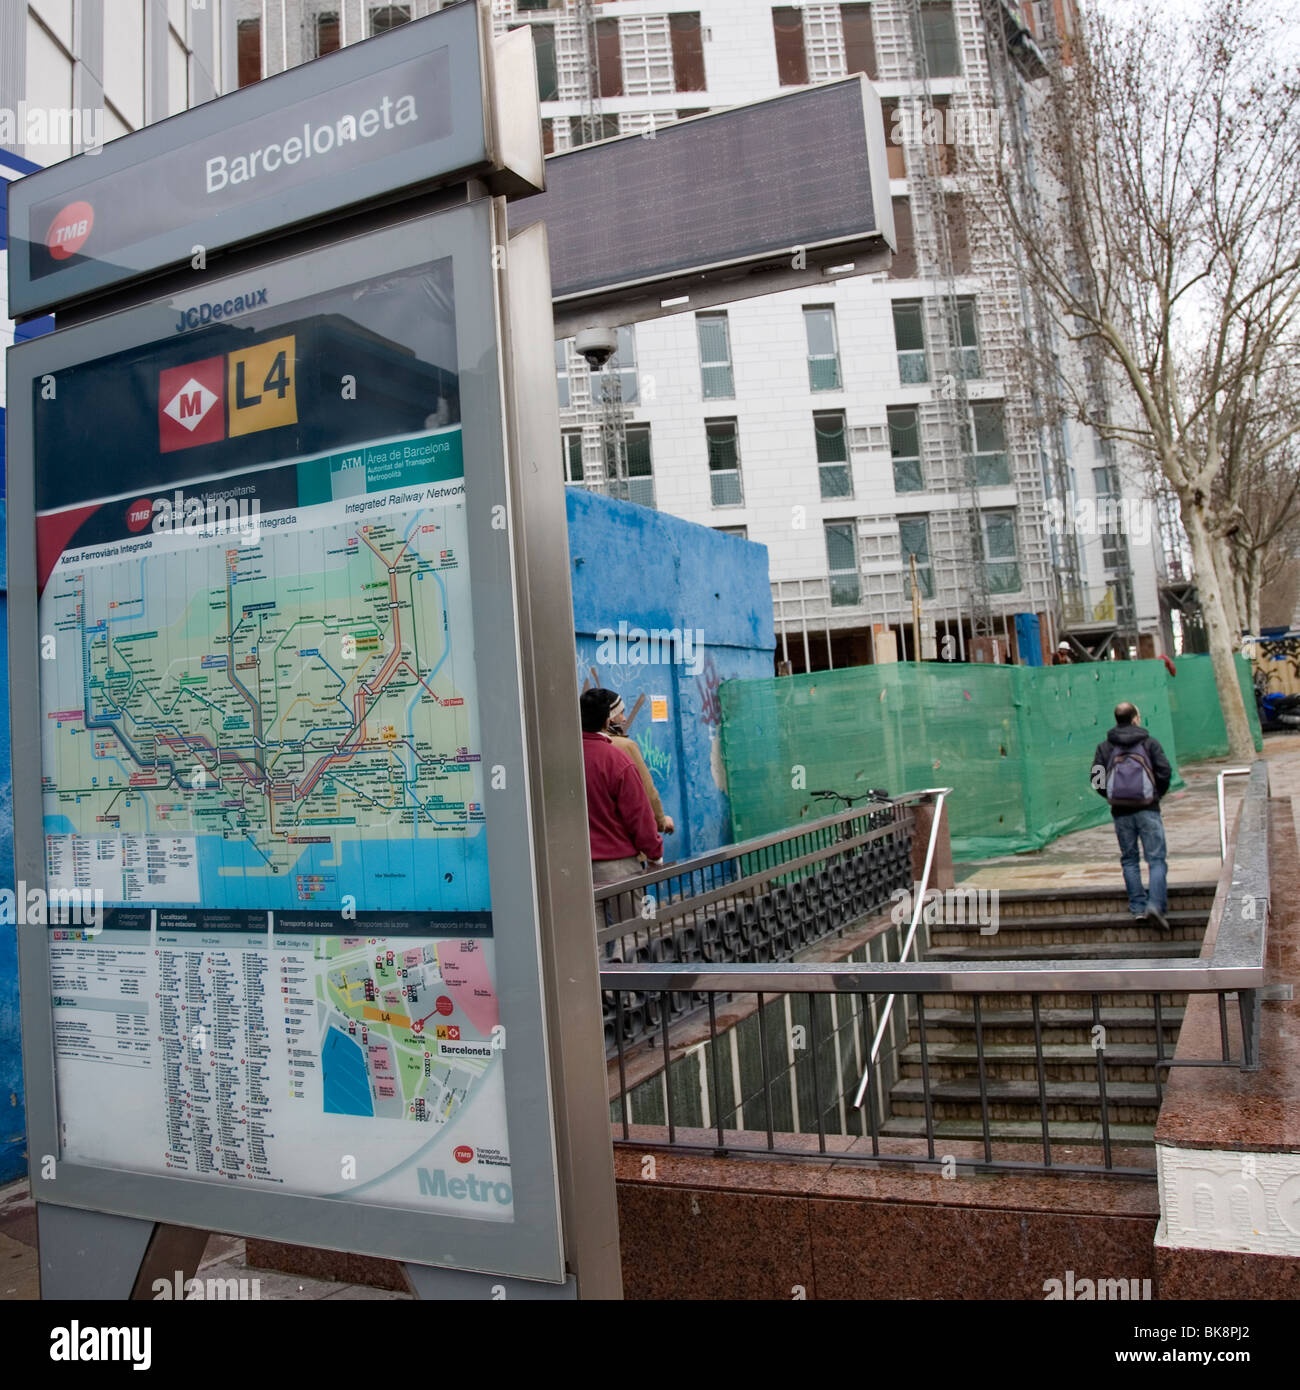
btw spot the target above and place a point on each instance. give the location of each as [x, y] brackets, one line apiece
[747, 184]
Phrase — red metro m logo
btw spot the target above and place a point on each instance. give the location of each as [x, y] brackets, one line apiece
[192, 404]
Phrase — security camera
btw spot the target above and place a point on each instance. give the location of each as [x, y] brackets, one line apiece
[597, 345]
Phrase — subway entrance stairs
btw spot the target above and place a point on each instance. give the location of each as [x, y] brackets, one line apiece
[1077, 925]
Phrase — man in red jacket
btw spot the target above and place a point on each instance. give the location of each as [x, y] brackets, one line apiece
[620, 819]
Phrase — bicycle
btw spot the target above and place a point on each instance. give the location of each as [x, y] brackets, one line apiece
[876, 795]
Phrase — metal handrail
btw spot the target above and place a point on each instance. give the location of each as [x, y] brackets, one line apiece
[1223, 826]
[1164, 975]
[907, 945]
[683, 867]
[921, 889]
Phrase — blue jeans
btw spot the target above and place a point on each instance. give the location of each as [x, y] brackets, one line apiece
[1147, 827]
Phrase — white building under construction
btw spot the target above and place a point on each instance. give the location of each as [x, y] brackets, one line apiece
[874, 427]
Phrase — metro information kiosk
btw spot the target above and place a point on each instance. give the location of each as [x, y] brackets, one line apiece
[283, 660]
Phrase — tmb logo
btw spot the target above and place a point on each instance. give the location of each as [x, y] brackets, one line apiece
[463, 1154]
[69, 230]
[191, 404]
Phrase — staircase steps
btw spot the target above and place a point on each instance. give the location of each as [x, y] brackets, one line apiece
[1128, 1102]
[1083, 928]
[1003, 1061]
[1077, 926]
[1064, 1025]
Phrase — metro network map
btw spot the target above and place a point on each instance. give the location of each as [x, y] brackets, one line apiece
[276, 717]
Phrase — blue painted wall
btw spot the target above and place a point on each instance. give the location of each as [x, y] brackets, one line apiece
[650, 571]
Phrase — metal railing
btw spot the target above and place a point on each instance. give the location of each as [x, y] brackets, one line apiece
[1223, 826]
[809, 1027]
[754, 902]
[940, 794]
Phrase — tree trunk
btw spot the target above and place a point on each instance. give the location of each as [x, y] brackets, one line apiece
[1229, 585]
[1241, 745]
[1254, 594]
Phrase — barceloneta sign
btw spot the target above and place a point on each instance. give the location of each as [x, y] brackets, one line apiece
[318, 140]
[361, 124]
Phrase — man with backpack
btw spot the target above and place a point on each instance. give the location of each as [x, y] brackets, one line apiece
[1131, 772]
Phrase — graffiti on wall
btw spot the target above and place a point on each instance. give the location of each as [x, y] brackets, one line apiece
[706, 687]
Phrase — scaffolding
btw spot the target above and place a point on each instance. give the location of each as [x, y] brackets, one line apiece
[1117, 560]
[976, 105]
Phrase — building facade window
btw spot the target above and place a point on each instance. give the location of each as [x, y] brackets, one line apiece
[572, 440]
[609, 54]
[968, 342]
[958, 233]
[903, 265]
[724, 463]
[791, 57]
[842, 564]
[939, 35]
[823, 349]
[386, 17]
[640, 466]
[688, 52]
[248, 34]
[741, 531]
[548, 81]
[894, 156]
[909, 341]
[914, 539]
[859, 41]
[326, 34]
[836, 477]
[905, 448]
[562, 372]
[1000, 555]
[605, 128]
[717, 381]
[990, 444]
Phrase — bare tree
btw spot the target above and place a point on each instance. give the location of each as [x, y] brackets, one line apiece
[1257, 497]
[1162, 226]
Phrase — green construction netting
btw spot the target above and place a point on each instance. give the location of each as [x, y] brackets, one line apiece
[1014, 742]
[1198, 716]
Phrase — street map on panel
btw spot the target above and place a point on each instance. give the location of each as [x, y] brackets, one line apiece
[270, 724]
[407, 1029]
